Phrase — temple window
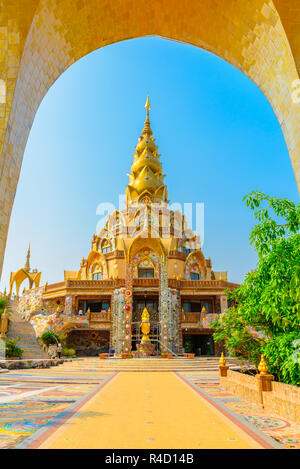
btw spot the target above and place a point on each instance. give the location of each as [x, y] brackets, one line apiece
[105, 246]
[146, 273]
[97, 275]
[195, 276]
[196, 306]
[186, 247]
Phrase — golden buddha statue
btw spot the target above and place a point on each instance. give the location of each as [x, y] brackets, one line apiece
[145, 327]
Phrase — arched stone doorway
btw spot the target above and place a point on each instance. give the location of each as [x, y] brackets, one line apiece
[40, 41]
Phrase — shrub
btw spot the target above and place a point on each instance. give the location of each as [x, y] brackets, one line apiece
[11, 348]
[49, 338]
[62, 338]
[187, 344]
[68, 352]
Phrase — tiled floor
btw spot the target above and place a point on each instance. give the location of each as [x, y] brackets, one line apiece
[49, 407]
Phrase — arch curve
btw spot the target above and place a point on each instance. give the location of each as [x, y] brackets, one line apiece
[49, 37]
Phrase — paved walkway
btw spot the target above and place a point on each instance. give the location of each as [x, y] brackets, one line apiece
[87, 404]
[148, 410]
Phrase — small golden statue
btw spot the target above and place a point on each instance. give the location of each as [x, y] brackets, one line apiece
[145, 327]
[4, 324]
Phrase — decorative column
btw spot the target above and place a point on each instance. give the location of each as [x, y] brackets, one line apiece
[118, 304]
[223, 368]
[69, 305]
[223, 304]
[127, 322]
[174, 320]
[164, 307]
[264, 379]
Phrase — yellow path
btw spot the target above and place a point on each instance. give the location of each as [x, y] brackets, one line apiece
[148, 410]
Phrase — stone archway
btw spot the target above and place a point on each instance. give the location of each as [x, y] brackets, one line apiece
[40, 41]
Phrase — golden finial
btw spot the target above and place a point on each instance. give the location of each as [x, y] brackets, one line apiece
[203, 310]
[263, 367]
[146, 170]
[27, 264]
[147, 105]
[222, 361]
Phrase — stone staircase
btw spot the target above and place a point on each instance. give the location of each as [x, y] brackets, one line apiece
[18, 328]
[205, 364]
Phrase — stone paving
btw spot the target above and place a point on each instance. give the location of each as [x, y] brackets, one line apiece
[87, 403]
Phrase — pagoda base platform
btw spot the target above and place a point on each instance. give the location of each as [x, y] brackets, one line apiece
[145, 350]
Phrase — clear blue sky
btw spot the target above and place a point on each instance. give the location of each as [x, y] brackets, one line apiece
[217, 133]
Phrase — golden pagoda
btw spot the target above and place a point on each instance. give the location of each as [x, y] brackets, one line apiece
[145, 259]
[146, 178]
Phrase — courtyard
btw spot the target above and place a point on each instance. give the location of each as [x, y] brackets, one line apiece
[137, 403]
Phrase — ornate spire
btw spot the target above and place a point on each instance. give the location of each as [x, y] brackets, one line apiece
[27, 264]
[146, 178]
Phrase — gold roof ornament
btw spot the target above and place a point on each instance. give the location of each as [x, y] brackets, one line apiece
[147, 105]
[146, 178]
[27, 264]
[263, 367]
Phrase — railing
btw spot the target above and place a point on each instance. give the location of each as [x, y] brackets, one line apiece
[195, 284]
[55, 286]
[103, 316]
[145, 282]
[95, 284]
[190, 317]
[178, 255]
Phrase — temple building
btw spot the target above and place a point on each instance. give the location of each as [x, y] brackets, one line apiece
[146, 257]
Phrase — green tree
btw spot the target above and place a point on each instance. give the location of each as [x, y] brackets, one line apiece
[265, 317]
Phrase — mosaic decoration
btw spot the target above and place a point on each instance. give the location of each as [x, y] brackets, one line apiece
[164, 299]
[98, 265]
[29, 413]
[88, 343]
[106, 234]
[207, 319]
[194, 265]
[30, 302]
[68, 305]
[43, 323]
[146, 258]
[174, 313]
[118, 307]
[127, 313]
